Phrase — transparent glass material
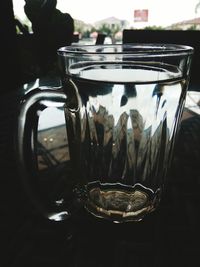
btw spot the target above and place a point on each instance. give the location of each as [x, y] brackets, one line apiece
[122, 110]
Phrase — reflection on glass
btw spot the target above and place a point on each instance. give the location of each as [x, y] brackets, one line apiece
[53, 156]
[52, 139]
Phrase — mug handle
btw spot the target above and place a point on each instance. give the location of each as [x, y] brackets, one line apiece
[27, 124]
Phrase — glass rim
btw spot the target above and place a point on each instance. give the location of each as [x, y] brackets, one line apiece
[132, 49]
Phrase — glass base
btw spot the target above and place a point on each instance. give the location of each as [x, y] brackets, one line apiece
[120, 203]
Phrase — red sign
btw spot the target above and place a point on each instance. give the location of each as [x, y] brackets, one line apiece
[141, 15]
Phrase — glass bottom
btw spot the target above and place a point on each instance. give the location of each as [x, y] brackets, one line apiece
[120, 203]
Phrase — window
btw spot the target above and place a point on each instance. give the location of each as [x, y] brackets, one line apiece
[113, 16]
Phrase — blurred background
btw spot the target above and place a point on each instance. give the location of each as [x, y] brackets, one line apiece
[111, 17]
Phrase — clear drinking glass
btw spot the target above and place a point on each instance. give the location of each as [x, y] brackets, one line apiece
[123, 105]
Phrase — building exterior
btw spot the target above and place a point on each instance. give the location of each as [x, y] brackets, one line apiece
[186, 24]
[112, 21]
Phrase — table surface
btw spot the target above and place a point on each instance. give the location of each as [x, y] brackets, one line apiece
[168, 237]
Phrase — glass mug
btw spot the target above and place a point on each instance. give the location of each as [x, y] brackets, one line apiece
[122, 106]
